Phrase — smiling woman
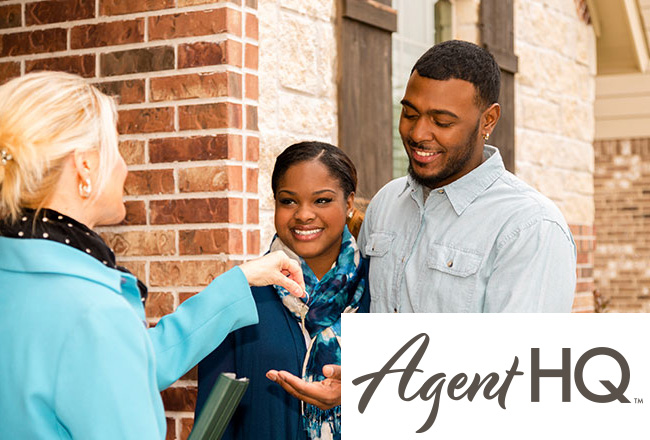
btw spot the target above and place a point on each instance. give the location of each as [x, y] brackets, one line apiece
[314, 185]
[310, 213]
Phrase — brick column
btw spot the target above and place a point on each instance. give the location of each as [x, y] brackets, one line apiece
[185, 76]
[585, 239]
[622, 258]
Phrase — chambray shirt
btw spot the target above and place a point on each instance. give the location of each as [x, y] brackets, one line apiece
[487, 242]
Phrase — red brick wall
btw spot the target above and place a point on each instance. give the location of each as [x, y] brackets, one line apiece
[586, 244]
[622, 197]
[185, 74]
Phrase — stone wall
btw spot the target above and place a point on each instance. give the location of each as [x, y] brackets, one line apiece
[555, 94]
[297, 73]
[466, 20]
[622, 263]
[185, 76]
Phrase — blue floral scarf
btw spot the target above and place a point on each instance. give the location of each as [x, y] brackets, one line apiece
[339, 291]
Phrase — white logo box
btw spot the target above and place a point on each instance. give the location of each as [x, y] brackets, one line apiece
[488, 343]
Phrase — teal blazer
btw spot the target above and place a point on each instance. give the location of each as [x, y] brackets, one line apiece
[76, 357]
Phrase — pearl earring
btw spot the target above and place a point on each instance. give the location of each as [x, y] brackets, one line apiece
[85, 188]
[6, 157]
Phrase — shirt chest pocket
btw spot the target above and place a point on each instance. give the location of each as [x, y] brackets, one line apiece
[382, 265]
[379, 243]
[451, 279]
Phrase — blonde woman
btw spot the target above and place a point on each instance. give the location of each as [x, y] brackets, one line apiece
[77, 360]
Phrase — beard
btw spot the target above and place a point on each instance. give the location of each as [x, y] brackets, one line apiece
[462, 154]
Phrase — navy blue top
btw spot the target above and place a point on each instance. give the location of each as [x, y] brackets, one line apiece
[266, 411]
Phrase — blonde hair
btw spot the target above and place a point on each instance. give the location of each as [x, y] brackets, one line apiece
[45, 117]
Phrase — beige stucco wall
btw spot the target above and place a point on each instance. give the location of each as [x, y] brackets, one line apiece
[622, 106]
[555, 94]
[297, 74]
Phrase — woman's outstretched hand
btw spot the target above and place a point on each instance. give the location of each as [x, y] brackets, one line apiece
[275, 268]
[325, 394]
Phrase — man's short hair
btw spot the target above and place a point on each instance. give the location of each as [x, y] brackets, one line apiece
[463, 60]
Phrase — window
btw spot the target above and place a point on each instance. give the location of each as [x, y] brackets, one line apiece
[420, 24]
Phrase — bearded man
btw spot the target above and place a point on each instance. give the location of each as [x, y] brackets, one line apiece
[460, 233]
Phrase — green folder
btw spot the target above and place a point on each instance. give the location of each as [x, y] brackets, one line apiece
[219, 408]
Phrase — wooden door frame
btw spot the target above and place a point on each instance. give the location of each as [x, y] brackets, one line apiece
[497, 36]
[364, 89]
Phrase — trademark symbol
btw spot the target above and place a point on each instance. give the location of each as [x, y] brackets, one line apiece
[638, 400]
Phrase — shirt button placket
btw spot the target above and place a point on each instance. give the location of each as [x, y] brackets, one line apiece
[400, 280]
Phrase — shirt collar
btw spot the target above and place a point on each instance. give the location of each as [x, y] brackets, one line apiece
[55, 226]
[462, 192]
